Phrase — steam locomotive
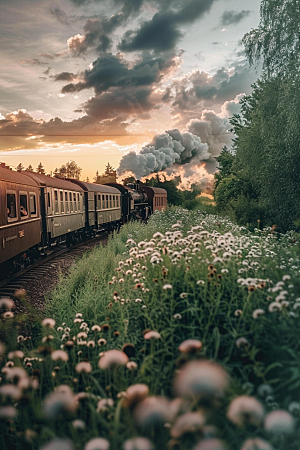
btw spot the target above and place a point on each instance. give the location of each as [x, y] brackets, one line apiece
[38, 212]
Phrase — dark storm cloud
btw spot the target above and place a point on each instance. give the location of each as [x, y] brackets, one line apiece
[59, 14]
[64, 76]
[162, 32]
[233, 17]
[108, 71]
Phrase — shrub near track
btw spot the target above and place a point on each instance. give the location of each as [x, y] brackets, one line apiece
[180, 334]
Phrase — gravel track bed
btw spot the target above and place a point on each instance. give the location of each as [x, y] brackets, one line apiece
[42, 279]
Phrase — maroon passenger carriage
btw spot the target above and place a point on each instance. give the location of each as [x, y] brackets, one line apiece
[20, 219]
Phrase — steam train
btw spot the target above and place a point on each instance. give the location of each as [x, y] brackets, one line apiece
[38, 212]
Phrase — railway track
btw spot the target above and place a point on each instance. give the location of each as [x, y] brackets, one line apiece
[42, 276]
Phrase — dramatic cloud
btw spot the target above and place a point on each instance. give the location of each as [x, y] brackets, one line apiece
[162, 32]
[63, 76]
[233, 17]
[60, 15]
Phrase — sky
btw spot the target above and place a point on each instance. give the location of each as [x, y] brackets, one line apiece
[146, 85]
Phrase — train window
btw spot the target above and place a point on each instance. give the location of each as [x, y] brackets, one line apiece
[49, 201]
[110, 201]
[74, 201]
[71, 202]
[11, 206]
[103, 202]
[117, 201]
[99, 201]
[56, 207]
[66, 202]
[23, 206]
[106, 206]
[78, 202]
[114, 201]
[62, 206]
[32, 204]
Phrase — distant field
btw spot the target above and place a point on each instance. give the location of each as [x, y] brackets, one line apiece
[180, 334]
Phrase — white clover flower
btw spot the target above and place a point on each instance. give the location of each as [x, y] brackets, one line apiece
[279, 421]
[210, 444]
[138, 443]
[167, 286]
[104, 404]
[152, 411]
[102, 341]
[245, 409]
[8, 315]
[131, 365]
[83, 366]
[274, 306]
[242, 341]
[190, 346]
[112, 358]
[177, 316]
[49, 323]
[238, 312]
[82, 335]
[59, 355]
[152, 335]
[286, 278]
[200, 282]
[199, 378]
[189, 422]
[256, 444]
[96, 328]
[257, 312]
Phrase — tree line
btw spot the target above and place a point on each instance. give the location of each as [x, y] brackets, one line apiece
[258, 182]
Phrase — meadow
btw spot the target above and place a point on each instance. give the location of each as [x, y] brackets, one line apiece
[179, 334]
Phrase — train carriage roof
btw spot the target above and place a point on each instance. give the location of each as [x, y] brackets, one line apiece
[154, 190]
[16, 177]
[58, 183]
[94, 187]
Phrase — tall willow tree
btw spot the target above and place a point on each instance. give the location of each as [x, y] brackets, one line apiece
[267, 144]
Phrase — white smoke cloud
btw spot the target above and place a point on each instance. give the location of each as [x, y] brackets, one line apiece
[165, 150]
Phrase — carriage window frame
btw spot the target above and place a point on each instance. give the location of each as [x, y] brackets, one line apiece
[61, 200]
[74, 201]
[33, 213]
[56, 201]
[71, 202]
[103, 201]
[78, 202]
[67, 209]
[23, 194]
[14, 193]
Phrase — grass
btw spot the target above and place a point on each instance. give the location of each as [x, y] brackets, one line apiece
[185, 275]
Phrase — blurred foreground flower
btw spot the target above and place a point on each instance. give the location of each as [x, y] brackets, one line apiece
[97, 444]
[245, 410]
[190, 346]
[138, 443]
[58, 444]
[187, 423]
[198, 378]
[279, 421]
[256, 444]
[152, 411]
[210, 444]
[112, 358]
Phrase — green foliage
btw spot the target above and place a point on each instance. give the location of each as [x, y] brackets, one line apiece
[175, 196]
[276, 41]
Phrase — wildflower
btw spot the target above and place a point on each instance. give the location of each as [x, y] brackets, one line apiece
[8, 315]
[6, 303]
[10, 391]
[200, 282]
[102, 341]
[294, 407]
[190, 346]
[187, 423]
[61, 401]
[201, 378]
[138, 443]
[238, 312]
[78, 424]
[69, 345]
[152, 411]
[256, 444]
[274, 306]
[49, 323]
[104, 404]
[20, 294]
[16, 354]
[131, 365]
[257, 312]
[286, 277]
[183, 295]
[138, 300]
[15, 374]
[112, 358]
[105, 327]
[264, 390]
[152, 335]
[177, 316]
[7, 412]
[210, 444]
[58, 444]
[167, 286]
[97, 444]
[83, 366]
[59, 355]
[245, 409]
[135, 394]
[242, 341]
[279, 421]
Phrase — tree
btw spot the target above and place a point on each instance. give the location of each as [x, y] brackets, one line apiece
[40, 169]
[276, 41]
[69, 170]
[29, 168]
[20, 167]
[109, 175]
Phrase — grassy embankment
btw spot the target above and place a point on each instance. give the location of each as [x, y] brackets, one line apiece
[183, 276]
